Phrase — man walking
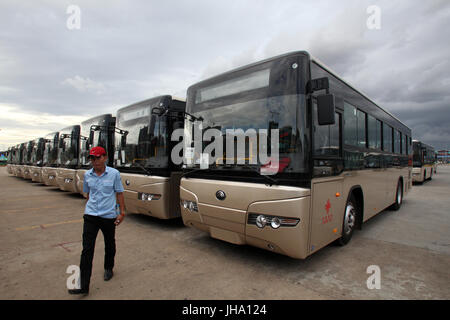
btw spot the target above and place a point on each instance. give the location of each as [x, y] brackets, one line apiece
[103, 186]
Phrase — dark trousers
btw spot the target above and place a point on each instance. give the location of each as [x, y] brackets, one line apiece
[90, 229]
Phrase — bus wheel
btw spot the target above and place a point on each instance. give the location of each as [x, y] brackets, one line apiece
[398, 197]
[349, 223]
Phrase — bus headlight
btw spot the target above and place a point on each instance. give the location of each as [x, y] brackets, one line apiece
[148, 196]
[261, 221]
[189, 205]
[275, 222]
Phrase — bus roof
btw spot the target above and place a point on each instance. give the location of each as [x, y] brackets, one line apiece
[313, 59]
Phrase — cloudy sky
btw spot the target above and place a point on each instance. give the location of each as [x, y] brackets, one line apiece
[54, 74]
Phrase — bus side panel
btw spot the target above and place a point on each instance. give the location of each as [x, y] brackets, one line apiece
[327, 212]
[374, 184]
[290, 241]
[136, 183]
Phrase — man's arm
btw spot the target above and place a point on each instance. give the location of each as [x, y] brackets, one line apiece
[121, 200]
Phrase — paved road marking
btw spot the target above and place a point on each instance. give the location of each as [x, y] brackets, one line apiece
[29, 209]
[43, 226]
[28, 197]
[64, 244]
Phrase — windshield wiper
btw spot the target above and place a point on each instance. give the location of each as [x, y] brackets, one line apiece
[192, 171]
[272, 181]
[258, 171]
[143, 168]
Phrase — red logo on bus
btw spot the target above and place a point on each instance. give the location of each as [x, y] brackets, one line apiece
[329, 216]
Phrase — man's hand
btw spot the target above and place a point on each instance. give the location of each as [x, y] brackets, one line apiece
[119, 219]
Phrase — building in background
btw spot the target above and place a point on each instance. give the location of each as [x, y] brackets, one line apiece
[443, 156]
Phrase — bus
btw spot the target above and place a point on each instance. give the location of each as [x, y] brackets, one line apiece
[69, 148]
[10, 163]
[26, 174]
[37, 157]
[142, 155]
[17, 160]
[50, 159]
[342, 158]
[423, 162]
[96, 131]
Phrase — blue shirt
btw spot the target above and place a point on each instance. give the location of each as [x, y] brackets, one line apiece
[102, 192]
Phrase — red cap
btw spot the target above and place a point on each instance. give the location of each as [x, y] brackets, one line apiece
[97, 151]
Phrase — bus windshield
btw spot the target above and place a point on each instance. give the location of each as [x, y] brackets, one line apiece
[144, 141]
[417, 155]
[100, 137]
[70, 141]
[265, 96]
[285, 113]
[50, 150]
[37, 152]
[29, 150]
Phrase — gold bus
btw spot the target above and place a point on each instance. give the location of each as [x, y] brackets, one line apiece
[37, 157]
[16, 159]
[142, 155]
[69, 148]
[21, 159]
[50, 159]
[342, 158]
[96, 131]
[26, 168]
[424, 161]
[10, 164]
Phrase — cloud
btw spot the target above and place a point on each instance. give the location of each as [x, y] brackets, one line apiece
[84, 85]
[17, 126]
[126, 53]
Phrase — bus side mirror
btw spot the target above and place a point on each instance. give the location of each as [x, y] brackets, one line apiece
[158, 111]
[61, 142]
[325, 109]
[91, 138]
[123, 141]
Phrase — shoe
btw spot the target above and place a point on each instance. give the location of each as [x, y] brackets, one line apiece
[79, 291]
[108, 274]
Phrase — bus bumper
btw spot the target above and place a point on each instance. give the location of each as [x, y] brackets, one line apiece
[49, 176]
[36, 174]
[151, 195]
[228, 219]
[66, 180]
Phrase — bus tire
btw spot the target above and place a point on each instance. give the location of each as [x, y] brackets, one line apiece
[398, 197]
[349, 222]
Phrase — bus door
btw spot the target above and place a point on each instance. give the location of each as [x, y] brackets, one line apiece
[327, 203]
